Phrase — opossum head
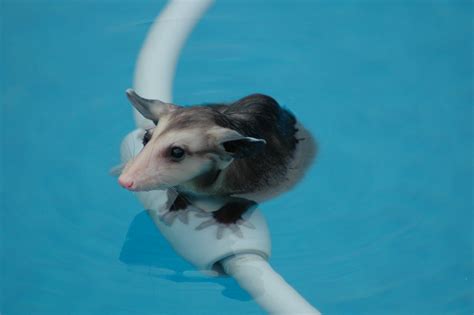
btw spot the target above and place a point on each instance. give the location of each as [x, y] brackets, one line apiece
[185, 148]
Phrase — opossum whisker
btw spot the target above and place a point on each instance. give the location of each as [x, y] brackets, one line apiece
[117, 170]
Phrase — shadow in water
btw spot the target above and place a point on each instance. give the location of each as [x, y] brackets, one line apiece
[145, 246]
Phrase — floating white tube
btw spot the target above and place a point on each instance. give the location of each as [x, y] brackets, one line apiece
[156, 64]
[244, 258]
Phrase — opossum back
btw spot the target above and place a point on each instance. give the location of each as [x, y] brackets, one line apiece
[303, 156]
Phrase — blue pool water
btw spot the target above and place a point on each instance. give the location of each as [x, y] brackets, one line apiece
[382, 224]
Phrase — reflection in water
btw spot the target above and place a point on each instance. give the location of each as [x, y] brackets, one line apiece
[145, 246]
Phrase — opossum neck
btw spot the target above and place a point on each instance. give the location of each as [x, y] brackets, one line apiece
[204, 184]
[203, 192]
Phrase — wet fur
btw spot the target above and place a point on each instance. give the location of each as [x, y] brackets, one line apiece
[288, 152]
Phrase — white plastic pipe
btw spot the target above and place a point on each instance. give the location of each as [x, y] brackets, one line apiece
[266, 286]
[156, 64]
[243, 258]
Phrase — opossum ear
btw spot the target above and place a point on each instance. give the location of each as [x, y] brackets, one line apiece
[237, 145]
[151, 109]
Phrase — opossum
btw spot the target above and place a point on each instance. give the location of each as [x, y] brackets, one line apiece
[235, 155]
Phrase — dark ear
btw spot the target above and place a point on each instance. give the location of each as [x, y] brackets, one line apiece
[243, 148]
[151, 109]
[236, 145]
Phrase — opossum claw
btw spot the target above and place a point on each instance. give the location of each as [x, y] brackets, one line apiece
[183, 216]
[170, 216]
[202, 214]
[205, 224]
[176, 207]
[236, 229]
[233, 227]
[246, 224]
[117, 170]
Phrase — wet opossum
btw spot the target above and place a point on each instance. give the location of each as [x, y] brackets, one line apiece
[232, 155]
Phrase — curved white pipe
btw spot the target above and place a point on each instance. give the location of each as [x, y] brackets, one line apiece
[244, 259]
[266, 286]
[156, 64]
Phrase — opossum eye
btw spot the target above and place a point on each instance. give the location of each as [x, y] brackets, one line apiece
[177, 153]
[146, 137]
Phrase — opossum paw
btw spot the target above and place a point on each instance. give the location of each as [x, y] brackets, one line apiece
[170, 216]
[179, 203]
[213, 221]
[178, 209]
[228, 217]
[221, 227]
[245, 223]
[233, 227]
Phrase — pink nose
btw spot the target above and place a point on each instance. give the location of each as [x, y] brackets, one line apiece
[125, 182]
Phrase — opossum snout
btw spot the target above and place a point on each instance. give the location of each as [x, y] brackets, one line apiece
[136, 181]
[125, 182]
